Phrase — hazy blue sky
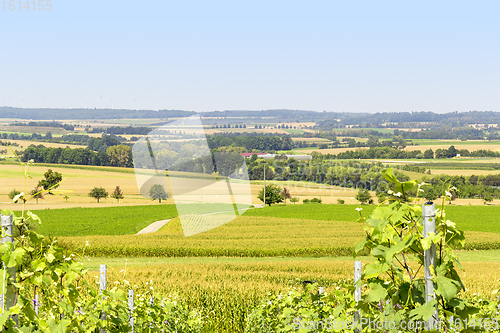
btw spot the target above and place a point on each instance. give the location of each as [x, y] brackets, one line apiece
[348, 56]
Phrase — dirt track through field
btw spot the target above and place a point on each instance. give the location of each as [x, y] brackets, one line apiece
[153, 227]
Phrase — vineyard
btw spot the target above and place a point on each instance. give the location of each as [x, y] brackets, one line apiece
[240, 277]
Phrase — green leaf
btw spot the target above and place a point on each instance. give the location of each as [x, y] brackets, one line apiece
[375, 269]
[377, 293]
[6, 212]
[445, 286]
[405, 187]
[360, 246]
[34, 217]
[399, 247]
[431, 238]
[389, 176]
[4, 317]
[424, 312]
[50, 257]
[380, 252]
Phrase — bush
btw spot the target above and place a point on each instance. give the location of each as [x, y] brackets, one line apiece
[340, 201]
[306, 201]
[13, 194]
[316, 200]
[363, 196]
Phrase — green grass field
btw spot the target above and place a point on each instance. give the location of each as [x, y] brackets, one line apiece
[130, 219]
[292, 231]
[468, 218]
[101, 221]
[294, 131]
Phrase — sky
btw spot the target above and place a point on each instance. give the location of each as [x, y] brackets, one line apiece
[342, 56]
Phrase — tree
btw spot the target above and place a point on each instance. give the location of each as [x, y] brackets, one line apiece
[451, 152]
[51, 181]
[487, 198]
[273, 194]
[428, 154]
[98, 193]
[157, 192]
[429, 193]
[294, 200]
[363, 196]
[36, 193]
[381, 197]
[66, 198]
[117, 194]
[119, 156]
[286, 194]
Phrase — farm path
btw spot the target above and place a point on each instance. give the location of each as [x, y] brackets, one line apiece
[153, 227]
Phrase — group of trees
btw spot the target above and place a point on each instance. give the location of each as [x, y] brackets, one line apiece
[48, 137]
[129, 130]
[47, 185]
[57, 124]
[102, 143]
[118, 155]
[99, 193]
[156, 192]
[367, 177]
[232, 126]
[251, 143]
[395, 153]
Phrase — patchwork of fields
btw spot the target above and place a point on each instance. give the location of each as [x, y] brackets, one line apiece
[226, 271]
[292, 230]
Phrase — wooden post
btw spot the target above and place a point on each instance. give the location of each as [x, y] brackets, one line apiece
[357, 291]
[131, 309]
[428, 214]
[9, 292]
[102, 286]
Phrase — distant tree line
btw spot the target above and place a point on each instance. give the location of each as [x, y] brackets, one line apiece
[464, 133]
[233, 126]
[130, 130]
[57, 124]
[66, 138]
[119, 155]
[395, 153]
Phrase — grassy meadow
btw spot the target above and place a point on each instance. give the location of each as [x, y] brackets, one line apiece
[101, 221]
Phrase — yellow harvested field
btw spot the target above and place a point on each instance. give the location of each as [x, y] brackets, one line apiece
[76, 182]
[326, 151]
[458, 145]
[465, 172]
